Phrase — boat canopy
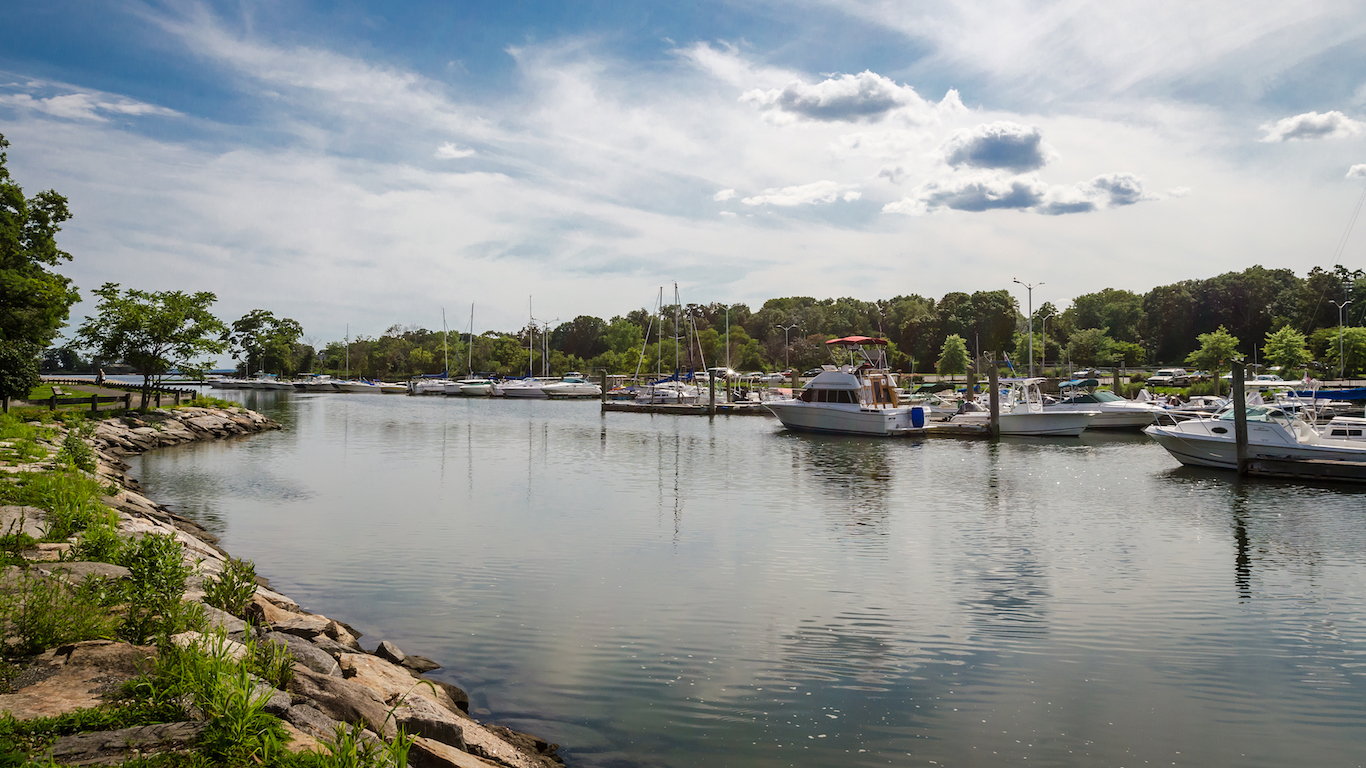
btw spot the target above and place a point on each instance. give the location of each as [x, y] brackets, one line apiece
[858, 341]
[1358, 393]
[1079, 383]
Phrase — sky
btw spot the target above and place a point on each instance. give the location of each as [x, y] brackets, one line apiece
[359, 165]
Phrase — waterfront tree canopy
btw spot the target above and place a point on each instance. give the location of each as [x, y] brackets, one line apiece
[34, 300]
[154, 332]
[264, 342]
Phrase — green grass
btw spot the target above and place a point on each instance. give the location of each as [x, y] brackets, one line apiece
[209, 401]
[70, 498]
[42, 612]
[40, 392]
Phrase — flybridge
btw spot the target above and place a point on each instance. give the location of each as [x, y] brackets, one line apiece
[856, 341]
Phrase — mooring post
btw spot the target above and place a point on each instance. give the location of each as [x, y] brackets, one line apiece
[1115, 387]
[995, 397]
[1239, 417]
[127, 401]
[602, 384]
[158, 398]
[711, 393]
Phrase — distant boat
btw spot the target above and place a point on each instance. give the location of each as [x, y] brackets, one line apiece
[1023, 414]
[359, 386]
[1112, 411]
[1271, 434]
[471, 388]
[528, 387]
[572, 385]
[857, 397]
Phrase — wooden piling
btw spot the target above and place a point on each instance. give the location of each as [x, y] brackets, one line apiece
[1239, 418]
[94, 403]
[602, 384]
[995, 399]
[711, 393]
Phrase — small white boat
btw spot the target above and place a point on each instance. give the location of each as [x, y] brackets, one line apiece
[1345, 428]
[1022, 414]
[667, 392]
[471, 388]
[1271, 434]
[320, 383]
[572, 385]
[359, 386]
[435, 386]
[529, 387]
[391, 388]
[858, 397]
[1112, 411]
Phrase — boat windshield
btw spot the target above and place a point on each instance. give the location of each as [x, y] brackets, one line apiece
[1257, 413]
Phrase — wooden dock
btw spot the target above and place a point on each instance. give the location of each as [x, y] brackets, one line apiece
[687, 409]
[1308, 469]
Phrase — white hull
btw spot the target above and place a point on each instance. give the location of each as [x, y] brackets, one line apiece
[1194, 443]
[360, 387]
[477, 390]
[431, 387]
[846, 419]
[519, 389]
[1107, 416]
[565, 390]
[1032, 424]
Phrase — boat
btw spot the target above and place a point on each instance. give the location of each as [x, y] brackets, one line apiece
[1022, 413]
[1112, 411]
[471, 388]
[1272, 433]
[358, 386]
[529, 387]
[391, 388]
[667, 391]
[571, 385]
[429, 386]
[1345, 428]
[319, 383]
[856, 397]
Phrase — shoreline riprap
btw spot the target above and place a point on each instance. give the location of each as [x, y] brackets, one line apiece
[335, 683]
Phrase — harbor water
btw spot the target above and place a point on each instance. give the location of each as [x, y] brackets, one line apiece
[686, 592]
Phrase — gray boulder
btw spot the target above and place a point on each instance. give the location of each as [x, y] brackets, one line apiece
[29, 520]
[113, 747]
[306, 653]
[341, 699]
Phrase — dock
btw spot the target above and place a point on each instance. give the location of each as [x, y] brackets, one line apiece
[687, 409]
[1307, 469]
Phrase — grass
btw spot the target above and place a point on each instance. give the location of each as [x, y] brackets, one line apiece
[231, 590]
[70, 498]
[209, 401]
[42, 612]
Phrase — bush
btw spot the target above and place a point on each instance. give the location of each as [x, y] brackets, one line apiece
[157, 589]
[232, 590]
[44, 612]
[209, 401]
[71, 500]
[76, 453]
[101, 542]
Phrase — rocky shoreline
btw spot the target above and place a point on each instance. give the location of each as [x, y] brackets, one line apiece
[335, 680]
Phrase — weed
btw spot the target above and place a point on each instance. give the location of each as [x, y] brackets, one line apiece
[76, 453]
[232, 589]
[208, 401]
[240, 732]
[156, 590]
[101, 542]
[272, 662]
[349, 750]
[71, 500]
[43, 612]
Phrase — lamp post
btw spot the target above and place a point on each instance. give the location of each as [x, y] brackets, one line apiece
[1045, 338]
[1029, 289]
[787, 349]
[1342, 361]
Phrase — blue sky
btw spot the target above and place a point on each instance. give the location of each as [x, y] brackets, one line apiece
[351, 163]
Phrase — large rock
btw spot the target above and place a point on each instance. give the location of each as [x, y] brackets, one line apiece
[390, 680]
[75, 676]
[305, 653]
[27, 520]
[113, 747]
[311, 721]
[221, 647]
[263, 611]
[426, 753]
[341, 699]
[307, 626]
[390, 652]
[77, 572]
[222, 619]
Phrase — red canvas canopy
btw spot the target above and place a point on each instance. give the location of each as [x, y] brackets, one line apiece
[859, 341]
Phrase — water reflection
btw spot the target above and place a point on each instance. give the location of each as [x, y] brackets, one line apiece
[692, 592]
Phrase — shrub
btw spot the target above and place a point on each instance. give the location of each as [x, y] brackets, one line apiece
[232, 589]
[157, 589]
[43, 612]
[71, 500]
[76, 453]
[208, 401]
[271, 661]
[101, 542]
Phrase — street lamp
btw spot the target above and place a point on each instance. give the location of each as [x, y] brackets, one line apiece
[1342, 362]
[787, 349]
[1030, 290]
[1045, 338]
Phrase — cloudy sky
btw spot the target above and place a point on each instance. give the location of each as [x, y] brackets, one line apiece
[344, 165]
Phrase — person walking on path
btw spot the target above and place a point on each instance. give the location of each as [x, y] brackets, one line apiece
[99, 378]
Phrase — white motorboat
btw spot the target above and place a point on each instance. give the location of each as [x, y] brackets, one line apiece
[319, 383]
[436, 386]
[471, 388]
[1345, 428]
[391, 388]
[225, 383]
[665, 392]
[1022, 413]
[571, 386]
[1112, 411]
[528, 387]
[1271, 434]
[359, 386]
[857, 397]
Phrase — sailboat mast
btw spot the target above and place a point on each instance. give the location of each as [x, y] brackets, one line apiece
[348, 351]
[470, 363]
[676, 309]
[445, 352]
[530, 337]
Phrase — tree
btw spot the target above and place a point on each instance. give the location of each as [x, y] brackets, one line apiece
[1090, 346]
[265, 341]
[154, 332]
[1353, 349]
[1216, 349]
[953, 356]
[18, 370]
[1286, 348]
[34, 301]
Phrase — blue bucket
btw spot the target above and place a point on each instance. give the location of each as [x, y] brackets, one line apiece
[918, 416]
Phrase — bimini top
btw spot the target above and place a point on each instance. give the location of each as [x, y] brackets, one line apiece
[856, 341]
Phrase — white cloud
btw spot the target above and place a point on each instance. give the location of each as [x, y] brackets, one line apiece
[1312, 125]
[449, 151]
[1004, 145]
[1357, 171]
[72, 103]
[723, 195]
[864, 97]
[728, 214]
[806, 194]
[1179, 192]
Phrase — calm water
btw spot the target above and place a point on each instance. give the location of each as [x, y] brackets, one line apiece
[672, 591]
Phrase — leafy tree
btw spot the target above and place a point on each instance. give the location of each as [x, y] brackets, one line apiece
[1286, 348]
[264, 342]
[1353, 350]
[993, 318]
[1169, 321]
[583, 337]
[953, 356]
[34, 301]
[1216, 349]
[153, 332]
[18, 370]
[1119, 312]
[1090, 346]
[1128, 352]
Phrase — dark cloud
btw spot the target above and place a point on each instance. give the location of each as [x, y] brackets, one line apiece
[985, 194]
[998, 146]
[862, 97]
